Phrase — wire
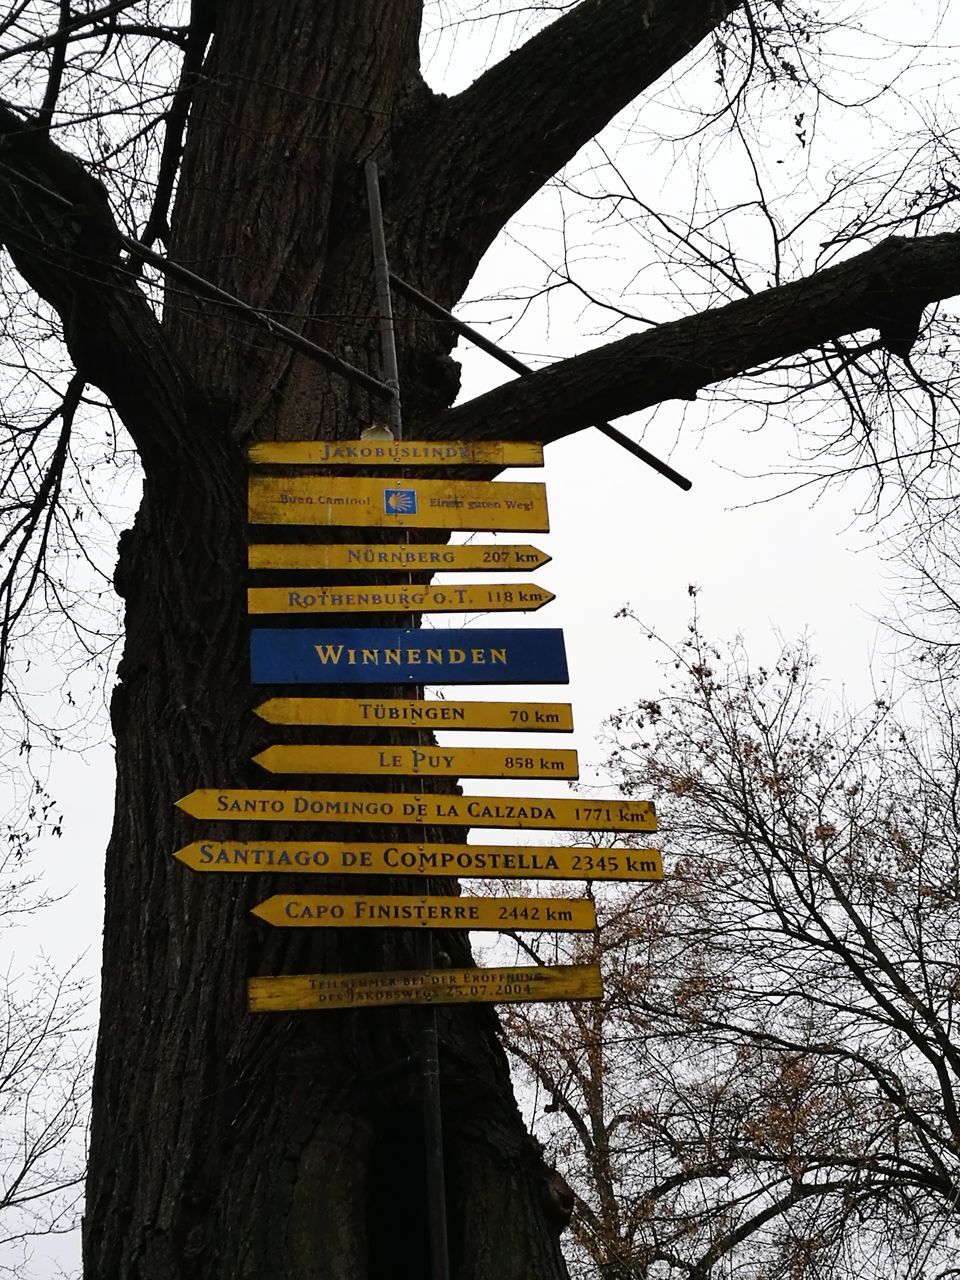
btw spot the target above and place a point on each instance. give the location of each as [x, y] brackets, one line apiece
[205, 288]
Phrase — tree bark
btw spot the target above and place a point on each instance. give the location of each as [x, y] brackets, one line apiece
[227, 1146]
[480, 156]
[900, 276]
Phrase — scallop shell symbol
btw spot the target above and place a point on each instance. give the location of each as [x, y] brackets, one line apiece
[398, 502]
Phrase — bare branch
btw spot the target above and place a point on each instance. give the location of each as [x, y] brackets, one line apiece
[477, 158]
[56, 224]
[678, 359]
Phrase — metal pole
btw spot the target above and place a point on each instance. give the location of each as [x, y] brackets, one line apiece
[483, 342]
[429, 1047]
[433, 1130]
[388, 339]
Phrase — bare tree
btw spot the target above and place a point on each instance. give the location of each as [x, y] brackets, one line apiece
[771, 1084]
[232, 136]
[44, 1082]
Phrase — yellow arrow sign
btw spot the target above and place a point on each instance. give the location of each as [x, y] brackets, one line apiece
[419, 810]
[416, 713]
[478, 861]
[390, 911]
[446, 762]
[522, 985]
[406, 453]
[368, 557]
[383, 503]
[502, 597]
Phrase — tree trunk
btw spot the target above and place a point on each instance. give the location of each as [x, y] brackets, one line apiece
[226, 1145]
[230, 1145]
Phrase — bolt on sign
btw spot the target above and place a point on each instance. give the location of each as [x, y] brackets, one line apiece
[293, 992]
[420, 809]
[393, 557]
[388, 911]
[370, 502]
[406, 453]
[386, 655]
[446, 762]
[419, 713]
[501, 598]
[478, 861]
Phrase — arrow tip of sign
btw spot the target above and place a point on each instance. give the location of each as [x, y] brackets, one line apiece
[263, 710]
[261, 759]
[184, 803]
[183, 855]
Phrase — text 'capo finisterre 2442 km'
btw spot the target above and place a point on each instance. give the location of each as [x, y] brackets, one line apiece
[405, 659]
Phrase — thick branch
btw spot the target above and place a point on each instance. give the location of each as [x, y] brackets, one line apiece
[479, 157]
[56, 224]
[198, 36]
[676, 360]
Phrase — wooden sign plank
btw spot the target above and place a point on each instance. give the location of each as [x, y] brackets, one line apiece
[377, 502]
[404, 453]
[392, 911]
[387, 655]
[420, 809]
[405, 761]
[523, 597]
[393, 557]
[478, 861]
[524, 984]
[417, 713]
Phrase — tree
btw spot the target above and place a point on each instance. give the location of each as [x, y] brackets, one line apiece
[770, 1085]
[44, 1052]
[233, 135]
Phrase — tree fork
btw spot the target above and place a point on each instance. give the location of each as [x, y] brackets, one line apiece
[225, 1146]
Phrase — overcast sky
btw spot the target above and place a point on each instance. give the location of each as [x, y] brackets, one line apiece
[765, 567]
[620, 534]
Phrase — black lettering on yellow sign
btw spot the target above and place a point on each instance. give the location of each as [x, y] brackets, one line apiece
[523, 984]
[422, 809]
[547, 862]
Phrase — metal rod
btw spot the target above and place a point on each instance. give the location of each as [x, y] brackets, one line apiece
[656, 464]
[433, 1130]
[206, 289]
[476, 337]
[388, 338]
[429, 1045]
[484, 343]
[293, 339]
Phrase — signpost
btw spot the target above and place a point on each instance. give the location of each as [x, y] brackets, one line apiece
[386, 655]
[395, 557]
[420, 810]
[405, 453]
[419, 713]
[292, 992]
[389, 911]
[466, 598]
[377, 502]
[428, 761]
[478, 861]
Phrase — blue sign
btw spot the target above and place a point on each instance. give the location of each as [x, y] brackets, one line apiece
[383, 655]
[400, 502]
